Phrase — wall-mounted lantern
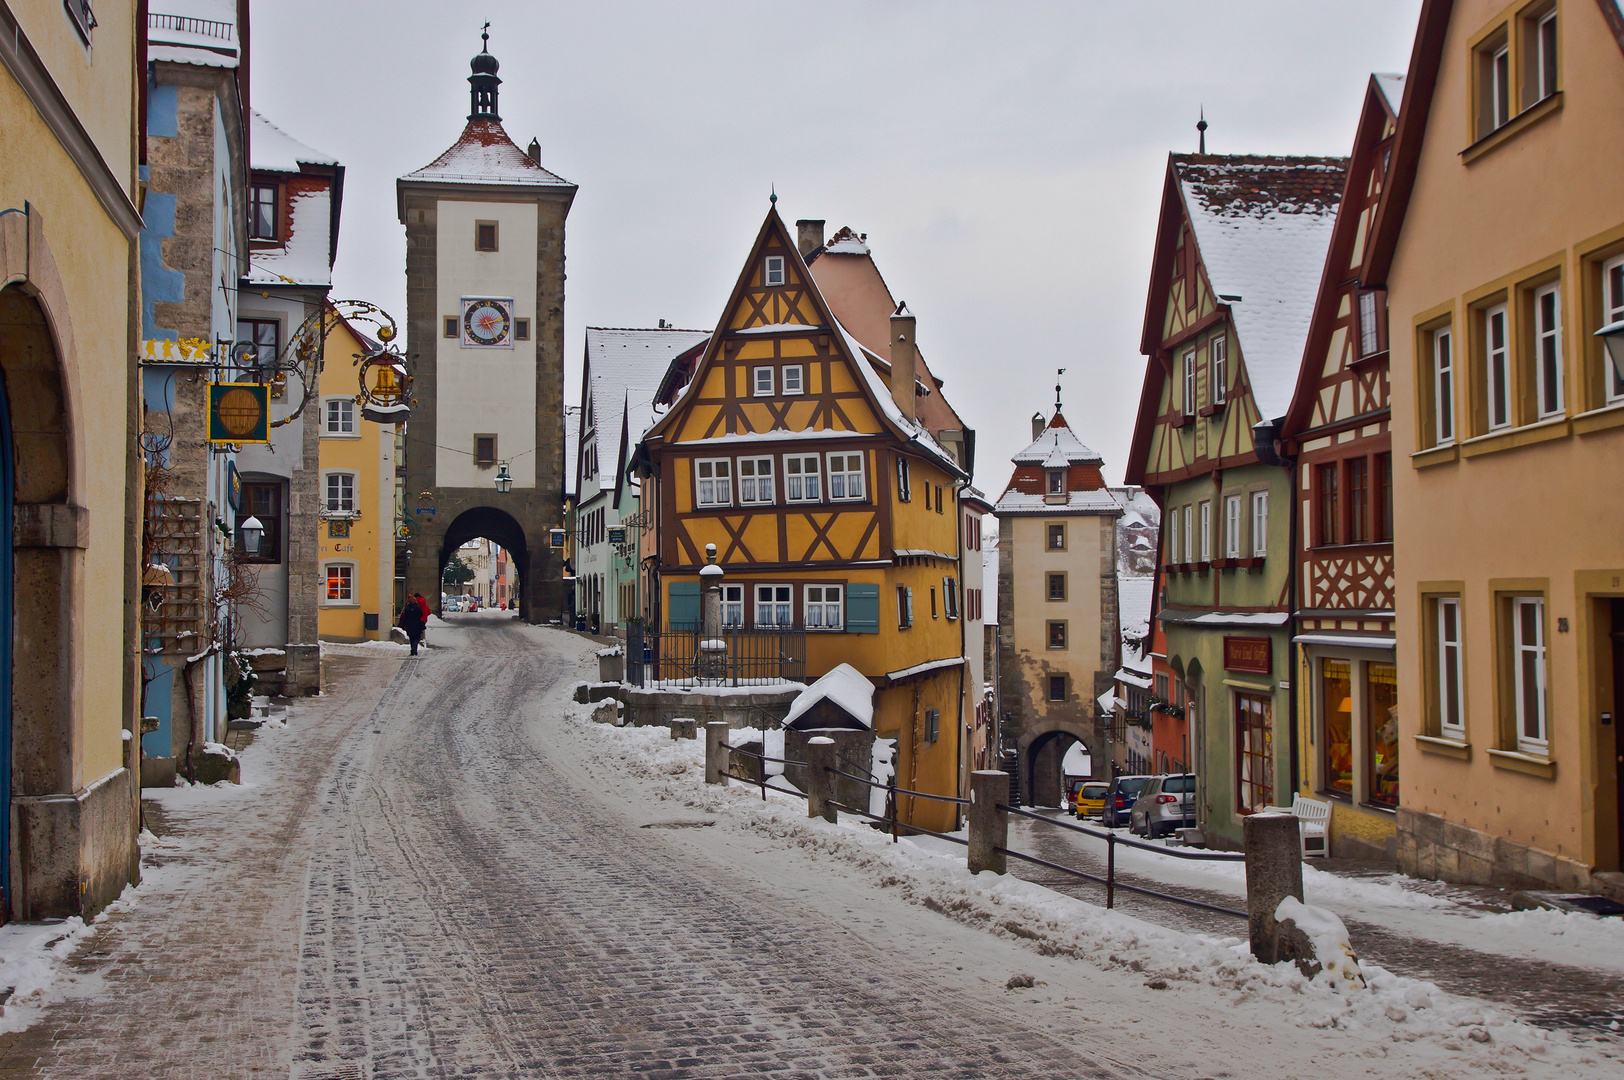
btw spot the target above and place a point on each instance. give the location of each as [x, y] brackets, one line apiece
[252, 531]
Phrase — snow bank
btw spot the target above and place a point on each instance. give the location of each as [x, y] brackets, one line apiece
[1339, 967]
[365, 648]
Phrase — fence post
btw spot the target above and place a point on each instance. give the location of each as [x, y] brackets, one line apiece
[891, 805]
[820, 758]
[1110, 867]
[716, 751]
[1274, 871]
[989, 821]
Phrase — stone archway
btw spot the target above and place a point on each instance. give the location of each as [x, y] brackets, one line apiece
[497, 526]
[1042, 780]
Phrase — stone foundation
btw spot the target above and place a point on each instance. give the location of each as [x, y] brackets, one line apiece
[1431, 847]
[764, 708]
[72, 854]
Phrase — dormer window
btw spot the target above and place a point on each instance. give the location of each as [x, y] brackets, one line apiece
[774, 272]
[262, 211]
[1057, 481]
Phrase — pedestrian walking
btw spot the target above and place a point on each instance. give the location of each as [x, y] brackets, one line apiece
[423, 604]
[412, 621]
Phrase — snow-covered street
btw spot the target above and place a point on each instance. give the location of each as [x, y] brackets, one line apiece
[445, 868]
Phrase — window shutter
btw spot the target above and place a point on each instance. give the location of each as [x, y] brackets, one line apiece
[862, 608]
[683, 612]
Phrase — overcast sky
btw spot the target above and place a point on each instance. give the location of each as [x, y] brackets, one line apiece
[1005, 159]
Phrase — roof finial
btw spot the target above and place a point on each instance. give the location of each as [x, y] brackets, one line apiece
[1057, 375]
[773, 198]
[1201, 126]
[485, 37]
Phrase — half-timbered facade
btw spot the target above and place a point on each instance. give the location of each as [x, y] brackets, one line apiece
[830, 505]
[1239, 250]
[1337, 431]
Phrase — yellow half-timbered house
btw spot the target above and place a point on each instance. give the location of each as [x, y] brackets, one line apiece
[831, 506]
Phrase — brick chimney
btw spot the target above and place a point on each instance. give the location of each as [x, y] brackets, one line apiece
[903, 361]
[1038, 424]
[809, 235]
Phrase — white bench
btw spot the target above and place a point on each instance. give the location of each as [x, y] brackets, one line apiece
[1313, 822]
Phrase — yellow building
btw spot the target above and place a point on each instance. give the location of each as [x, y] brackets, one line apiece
[70, 687]
[1502, 253]
[355, 546]
[830, 504]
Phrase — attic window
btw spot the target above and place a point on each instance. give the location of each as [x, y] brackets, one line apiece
[1057, 481]
[262, 211]
[774, 272]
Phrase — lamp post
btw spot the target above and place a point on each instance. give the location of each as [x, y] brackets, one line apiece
[504, 482]
[1612, 339]
[252, 530]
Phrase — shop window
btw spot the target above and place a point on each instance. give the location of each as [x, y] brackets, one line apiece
[1254, 753]
[340, 584]
[1381, 733]
[1336, 697]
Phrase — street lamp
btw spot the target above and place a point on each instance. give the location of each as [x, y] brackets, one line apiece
[504, 482]
[1612, 339]
[252, 531]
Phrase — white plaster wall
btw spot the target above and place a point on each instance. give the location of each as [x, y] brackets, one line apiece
[486, 390]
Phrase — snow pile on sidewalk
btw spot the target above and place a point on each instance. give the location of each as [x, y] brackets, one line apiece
[365, 648]
[1390, 1009]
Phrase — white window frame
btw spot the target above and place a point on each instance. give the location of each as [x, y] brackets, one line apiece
[339, 601]
[1443, 386]
[1548, 375]
[794, 380]
[796, 488]
[733, 607]
[1369, 339]
[904, 488]
[1497, 364]
[1533, 733]
[1612, 306]
[345, 409]
[327, 491]
[1189, 533]
[1218, 367]
[822, 612]
[777, 603]
[1260, 524]
[720, 482]
[1206, 530]
[1189, 382]
[1545, 69]
[1232, 526]
[852, 484]
[1451, 722]
[774, 272]
[750, 477]
[1500, 100]
[762, 380]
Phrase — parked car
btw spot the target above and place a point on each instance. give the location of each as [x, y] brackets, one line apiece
[1166, 803]
[1090, 801]
[1068, 799]
[1119, 799]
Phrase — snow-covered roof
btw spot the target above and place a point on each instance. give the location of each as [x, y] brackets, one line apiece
[1134, 594]
[305, 257]
[484, 154]
[1392, 88]
[200, 32]
[1225, 618]
[1138, 508]
[572, 445]
[1263, 225]
[844, 686]
[1057, 448]
[624, 369]
[274, 150]
[1099, 501]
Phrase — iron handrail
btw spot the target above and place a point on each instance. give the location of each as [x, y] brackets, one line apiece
[1121, 884]
[1200, 856]
[901, 791]
[910, 828]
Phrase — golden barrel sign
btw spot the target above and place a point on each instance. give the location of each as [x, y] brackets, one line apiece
[239, 413]
[1248, 654]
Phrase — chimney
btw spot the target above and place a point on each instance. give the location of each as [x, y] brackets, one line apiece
[1038, 424]
[809, 235]
[534, 153]
[902, 358]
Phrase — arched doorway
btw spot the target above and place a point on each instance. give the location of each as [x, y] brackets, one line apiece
[497, 526]
[1045, 763]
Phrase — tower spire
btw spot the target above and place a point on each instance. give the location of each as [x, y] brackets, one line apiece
[1057, 375]
[483, 82]
[1201, 126]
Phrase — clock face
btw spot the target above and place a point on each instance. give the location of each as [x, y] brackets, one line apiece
[487, 322]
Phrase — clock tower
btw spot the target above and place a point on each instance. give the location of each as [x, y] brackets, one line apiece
[485, 324]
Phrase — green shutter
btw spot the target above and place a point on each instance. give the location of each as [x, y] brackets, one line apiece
[682, 612]
[862, 609]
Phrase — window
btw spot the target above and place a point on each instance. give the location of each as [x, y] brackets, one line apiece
[1162, 689]
[1548, 348]
[933, 725]
[1612, 305]
[792, 379]
[950, 597]
[1260, 524]
[1254, 752]
[1325, 476]
[450, 326]
[1384, 496]
[904, 606]
[1172, 535]
[762, 381]
[484, 236]
[83, 18]
[521, 329]
[904, 492]
[1493, 84]
[340, 493]
[1057, 587]
[1381, 733]
[823, 610]
[801, 478]
[774, 605]
[1358, 500]
[1218, 367]
[265, 335]
[485, 453]
[1336, 697]
[715, 483]
[1189, 534]
[1057, 634]
[1057, 688]
[1528, 673]
[846, 476]
[1232, 526]
[1443, 387]
[1447, 681]
[1497, 361]
[938, 498]
[340, 584]
[774, 271]
[1057, 481]
[1189, 382]
[1206, 530]
[1540, 59]
[756, 482]
[262, 501]
[933, 603]
[1371, 310]
[733, 606]
[1057, 536]
[339, 417]
[262, 212]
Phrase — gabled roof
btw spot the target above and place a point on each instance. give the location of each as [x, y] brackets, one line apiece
[274, 150]
[1057, 448]
[484, 154]
[623, 370]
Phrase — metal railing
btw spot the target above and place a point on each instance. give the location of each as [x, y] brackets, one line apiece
[762, 774]
[186, 24]
[755, 657]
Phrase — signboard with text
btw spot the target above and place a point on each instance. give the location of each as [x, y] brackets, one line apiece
[1248, 654]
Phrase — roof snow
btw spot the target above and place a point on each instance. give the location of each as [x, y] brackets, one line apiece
[624, 370]
[484, 154]
[204, 32]
[1020, 502]
[306, 256]
[1263, 225]
[845, 687]
[1057, 448]
[275, 150]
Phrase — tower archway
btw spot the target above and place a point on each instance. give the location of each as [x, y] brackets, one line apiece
[1043, 759]
[497, 526]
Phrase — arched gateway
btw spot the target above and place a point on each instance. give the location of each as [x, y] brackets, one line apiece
[485, 317]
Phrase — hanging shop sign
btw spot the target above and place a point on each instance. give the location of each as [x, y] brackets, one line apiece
[239, 413]
[617, 535]
[1253, 654]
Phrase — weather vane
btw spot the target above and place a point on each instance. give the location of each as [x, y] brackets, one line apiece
[485, 37]
[1057, 375]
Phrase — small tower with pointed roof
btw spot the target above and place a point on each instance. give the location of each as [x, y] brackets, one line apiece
[485, 329]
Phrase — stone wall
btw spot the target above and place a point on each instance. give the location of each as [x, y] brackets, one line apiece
[762, 709]
[1431, 847]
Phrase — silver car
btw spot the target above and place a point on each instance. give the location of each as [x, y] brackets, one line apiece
[1167, 803]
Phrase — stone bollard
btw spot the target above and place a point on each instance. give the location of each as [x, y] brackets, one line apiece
[820, 758]
[684, 729]
[1274, 871]
[989, 826]
[716, 751]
